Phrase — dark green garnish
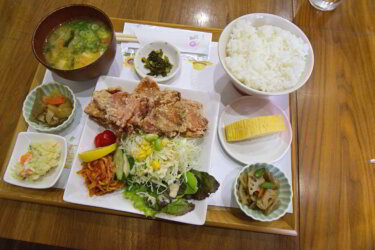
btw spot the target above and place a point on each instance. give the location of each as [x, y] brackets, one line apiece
[259, 173]
[192, 184]
[162, 202]
[267, 185]
[157, 64]
[178, 207]
[131, 161]
[207, 184]
[152, 200]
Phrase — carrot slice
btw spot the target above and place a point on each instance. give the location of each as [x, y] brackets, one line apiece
[54, 100]
[26, 157]
[261, 192]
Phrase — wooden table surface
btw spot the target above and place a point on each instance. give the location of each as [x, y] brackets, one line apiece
[336, 131]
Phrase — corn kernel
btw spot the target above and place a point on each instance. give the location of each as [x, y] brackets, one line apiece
[144, 151]
[164, 142]
[141, 156]
[149, 151]
[155, 165]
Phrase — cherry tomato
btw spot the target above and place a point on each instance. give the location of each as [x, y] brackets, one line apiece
[105, 138]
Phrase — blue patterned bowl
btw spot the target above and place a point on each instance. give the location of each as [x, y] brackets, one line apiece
[286, 193]
[47, 88]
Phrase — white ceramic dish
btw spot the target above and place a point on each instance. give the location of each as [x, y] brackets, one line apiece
[76, 190]
[168, 49]
[269, 148]
[260, 19]
[285, 195]
[21, 147]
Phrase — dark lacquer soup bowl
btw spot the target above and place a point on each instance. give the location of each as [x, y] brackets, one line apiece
[68, 13]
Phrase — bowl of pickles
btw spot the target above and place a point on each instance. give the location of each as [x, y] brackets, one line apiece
[50, 107]
[158, 59]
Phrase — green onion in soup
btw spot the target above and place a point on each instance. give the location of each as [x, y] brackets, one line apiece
[76, 43]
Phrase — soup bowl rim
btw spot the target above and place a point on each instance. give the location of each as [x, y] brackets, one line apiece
[42, 60]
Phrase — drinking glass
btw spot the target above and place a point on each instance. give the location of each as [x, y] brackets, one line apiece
[325, 5]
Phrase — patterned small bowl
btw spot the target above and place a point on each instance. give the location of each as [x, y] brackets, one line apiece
[47, 88]
[286, 193]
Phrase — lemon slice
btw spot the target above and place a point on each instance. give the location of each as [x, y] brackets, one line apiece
[97, 153]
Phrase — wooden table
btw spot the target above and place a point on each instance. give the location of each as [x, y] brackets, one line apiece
[336, 118]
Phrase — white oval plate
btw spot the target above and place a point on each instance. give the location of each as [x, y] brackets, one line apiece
[267, 149]
[168, 49]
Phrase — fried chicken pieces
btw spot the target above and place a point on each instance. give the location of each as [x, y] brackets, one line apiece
[148, 108]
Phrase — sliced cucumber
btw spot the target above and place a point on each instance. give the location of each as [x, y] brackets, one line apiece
[126, 167]
[119, 161]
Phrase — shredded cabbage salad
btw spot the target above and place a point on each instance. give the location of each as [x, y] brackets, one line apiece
[160, 161]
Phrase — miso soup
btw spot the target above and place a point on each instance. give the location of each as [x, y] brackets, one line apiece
[76, 43]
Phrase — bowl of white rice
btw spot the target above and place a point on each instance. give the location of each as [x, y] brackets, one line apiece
[265, 54]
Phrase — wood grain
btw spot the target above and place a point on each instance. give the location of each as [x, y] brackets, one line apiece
[79, 229]
[216, 216]
[336, 113]
[22, 16]
[350, 16]
[74, 228]
[336, 117]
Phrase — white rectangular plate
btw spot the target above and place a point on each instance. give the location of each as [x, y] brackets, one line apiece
[24, 139]
[76, 190]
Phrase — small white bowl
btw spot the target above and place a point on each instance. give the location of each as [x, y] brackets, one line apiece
[47, 88]
[168, 49]
[286, 193]
[260, 19]
[23, 141]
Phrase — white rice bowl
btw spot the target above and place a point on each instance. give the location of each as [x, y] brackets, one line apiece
[265, 58]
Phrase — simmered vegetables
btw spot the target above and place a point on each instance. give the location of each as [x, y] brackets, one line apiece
[51, 110]
[259, 190]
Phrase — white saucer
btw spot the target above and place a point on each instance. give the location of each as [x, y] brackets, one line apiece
[266, 149]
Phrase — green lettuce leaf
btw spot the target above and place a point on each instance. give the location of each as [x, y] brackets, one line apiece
[178, 207]
[207, 184]
[192, 183]
[138, 201]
